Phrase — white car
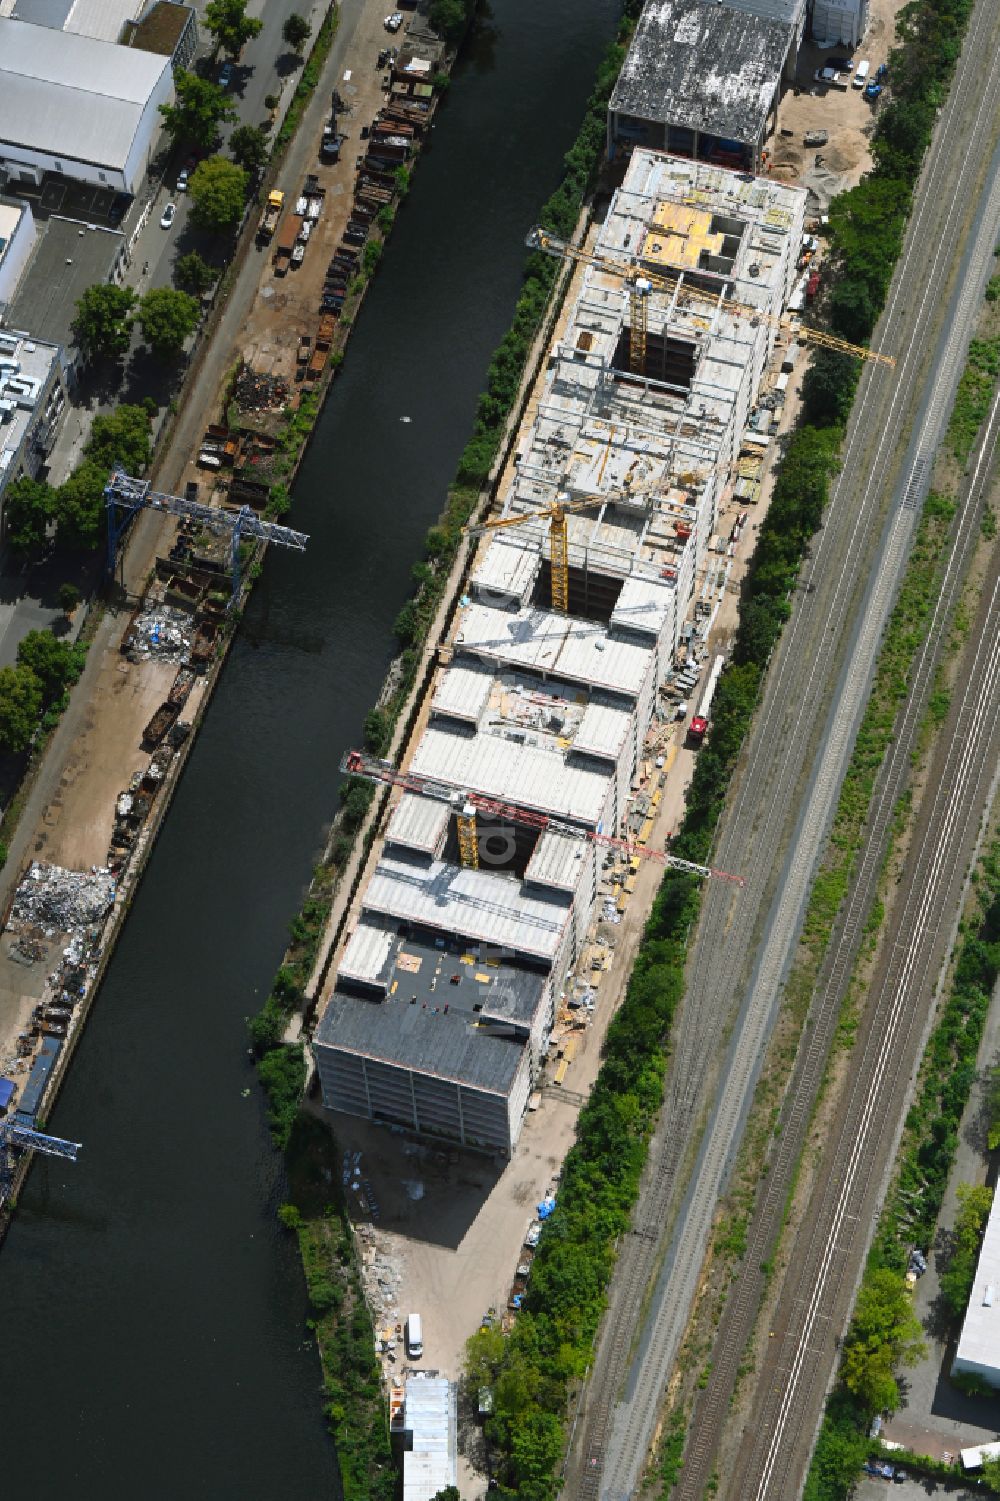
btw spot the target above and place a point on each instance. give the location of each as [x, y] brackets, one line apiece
[168, 216]
[394, 22]
[183, 178]
[534, 1235]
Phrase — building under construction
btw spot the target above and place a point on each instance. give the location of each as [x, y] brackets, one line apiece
[445, 991]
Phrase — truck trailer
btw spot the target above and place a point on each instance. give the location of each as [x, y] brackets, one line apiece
[700, 721]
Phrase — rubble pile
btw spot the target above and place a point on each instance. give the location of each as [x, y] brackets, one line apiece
[161, 633]
[256, 390]
[57, 900]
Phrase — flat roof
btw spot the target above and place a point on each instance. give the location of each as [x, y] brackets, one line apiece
[475, 905]
[577, 651]
[644, 605]
[63, 94]
[445, 1046]
[439, 974]
[603, 731]
[25, 367]
[705, 67]
[557, 860]
[506, 568]
[103, 19]
[979, 1344]
[431, 1465]
[68, 258]
[462, 692]
[532, 776]
[419, 823]
[161, 30]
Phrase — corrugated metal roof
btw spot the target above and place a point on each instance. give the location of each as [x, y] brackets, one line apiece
[645, 605]
[474, 904]
[557, 860]
[419, 823]
[528, 775]
[70, 95]
[462, 692]
[579, 651]
[103, 19]
[431, 1415]
[602, 731]
[979, 1344]
[366, 953]
[506, 569]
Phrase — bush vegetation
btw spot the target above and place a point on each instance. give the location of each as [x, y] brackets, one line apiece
[956, 1280]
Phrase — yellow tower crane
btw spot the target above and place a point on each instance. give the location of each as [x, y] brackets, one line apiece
[641, 283]
[558, 538]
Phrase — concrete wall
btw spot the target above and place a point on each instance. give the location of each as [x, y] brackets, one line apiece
[20, 243]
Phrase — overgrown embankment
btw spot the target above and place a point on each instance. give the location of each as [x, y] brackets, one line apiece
[881, 1336]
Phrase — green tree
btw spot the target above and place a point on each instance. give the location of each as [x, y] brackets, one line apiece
[120, 437]
[230, 25]
[218, 193]
[296, 32]
[884, 1333]
[167, 318]
[69, 597]
[450, 1493]
[450, 18]
[28, 507]
[20, 707]
[957, 1278]
[991, 1475]
[248, 147]
[289, 1216]
[53, 662]
[80, 508]
[102, 326]
[194, 274]
[200, 108]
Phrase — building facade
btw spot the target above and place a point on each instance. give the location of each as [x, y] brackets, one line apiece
[32, 399]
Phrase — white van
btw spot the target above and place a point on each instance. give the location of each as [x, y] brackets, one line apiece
[414, 1337]
[861, 76]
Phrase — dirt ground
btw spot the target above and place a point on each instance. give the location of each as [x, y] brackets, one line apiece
[844, 112]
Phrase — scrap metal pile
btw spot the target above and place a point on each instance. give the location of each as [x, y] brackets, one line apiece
[58, 900]
[256, 390]
[161, 633]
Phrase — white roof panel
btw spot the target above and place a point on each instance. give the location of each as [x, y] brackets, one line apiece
[103, 19]
[419, 823]
[366, 952]
[431, 1465]
[525, 774]
[557, 860]
[506, 569]
[579, 651]
[602, 731]
[645, 605]
[462, 692]
[474, 904]
[73, 95]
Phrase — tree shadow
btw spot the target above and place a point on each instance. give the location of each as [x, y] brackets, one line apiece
[287, 64]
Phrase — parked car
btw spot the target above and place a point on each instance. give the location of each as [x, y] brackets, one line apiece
[872, 90]
[826, 75]
[815, 138]
[394, 22]
[225, 75]
[168, 216]
[861, 76]
[183, 178]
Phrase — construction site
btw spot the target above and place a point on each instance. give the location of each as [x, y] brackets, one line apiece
[530, 816]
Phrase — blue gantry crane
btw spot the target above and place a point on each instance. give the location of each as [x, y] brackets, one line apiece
[16, 1138]
[126, 497]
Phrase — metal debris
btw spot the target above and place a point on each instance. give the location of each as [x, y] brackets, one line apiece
[163, 633]
[63, 901]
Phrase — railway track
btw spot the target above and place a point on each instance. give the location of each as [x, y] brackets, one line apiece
[815, 1303]
[672, 1220]
[738, 1321]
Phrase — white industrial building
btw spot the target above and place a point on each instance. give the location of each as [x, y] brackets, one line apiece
[17, 239]
[78, 106]
[978, 1352]
[32, 398]
[423, 1424]
[443, 998]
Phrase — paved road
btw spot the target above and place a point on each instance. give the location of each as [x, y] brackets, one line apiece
[785, 798]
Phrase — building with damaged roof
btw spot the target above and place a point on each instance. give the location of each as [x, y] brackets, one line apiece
[443, 997]
[703, 79]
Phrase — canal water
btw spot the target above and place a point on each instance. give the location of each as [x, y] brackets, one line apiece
[151, 1314]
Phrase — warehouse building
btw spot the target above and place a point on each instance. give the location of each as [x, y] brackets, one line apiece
[978, 1351]
[445, 994]
[78, 106]
[704, 80]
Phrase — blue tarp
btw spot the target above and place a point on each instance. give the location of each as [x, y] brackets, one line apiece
[7, 1088]
[31, 1097]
